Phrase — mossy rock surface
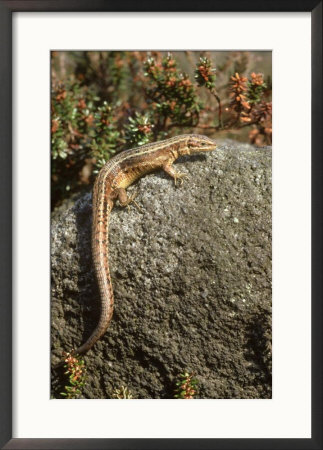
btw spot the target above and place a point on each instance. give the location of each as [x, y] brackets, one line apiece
[191, 274]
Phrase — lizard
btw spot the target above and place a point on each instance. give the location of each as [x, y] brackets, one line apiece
[110, 185]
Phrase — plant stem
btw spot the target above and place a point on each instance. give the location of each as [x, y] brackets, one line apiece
[220, 108]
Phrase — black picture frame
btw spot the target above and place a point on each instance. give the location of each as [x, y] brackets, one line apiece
[6, 221]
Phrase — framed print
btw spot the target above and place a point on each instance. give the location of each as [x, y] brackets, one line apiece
[187, 146]
[152, 140]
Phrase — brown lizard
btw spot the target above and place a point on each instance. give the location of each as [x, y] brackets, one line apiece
[110, 185]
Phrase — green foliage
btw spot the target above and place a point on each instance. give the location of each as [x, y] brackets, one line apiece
[104, 102]
[76, 371]
[105, 135]
[81, 129]
[170, 94]
[71, 106]
[205, 74]
[186, 386]
[138, 130]
[256, 88]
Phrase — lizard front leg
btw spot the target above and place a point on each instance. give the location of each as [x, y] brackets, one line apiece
[168, 168]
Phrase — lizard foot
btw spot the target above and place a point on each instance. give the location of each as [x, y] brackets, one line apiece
[179, 176]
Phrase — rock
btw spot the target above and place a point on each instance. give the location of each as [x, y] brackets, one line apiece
[191, 274]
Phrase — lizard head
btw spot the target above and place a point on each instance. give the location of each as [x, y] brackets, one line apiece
[197, 143]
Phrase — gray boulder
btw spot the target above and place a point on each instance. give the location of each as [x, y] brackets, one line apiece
[191, 274]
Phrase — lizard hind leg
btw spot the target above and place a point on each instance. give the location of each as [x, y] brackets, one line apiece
[125, 199]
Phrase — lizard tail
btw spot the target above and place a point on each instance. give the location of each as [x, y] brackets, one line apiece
[100, 228]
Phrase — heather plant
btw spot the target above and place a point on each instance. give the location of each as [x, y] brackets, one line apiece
[84, 135]
[105, 102]
[139, 129]
[256, 88]
[238, 89]
[71, 112]
[205, 76]
[170, 95]
[246, 104]
[122, 393]
[76, 372]
[105, 135]
[186, 386]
